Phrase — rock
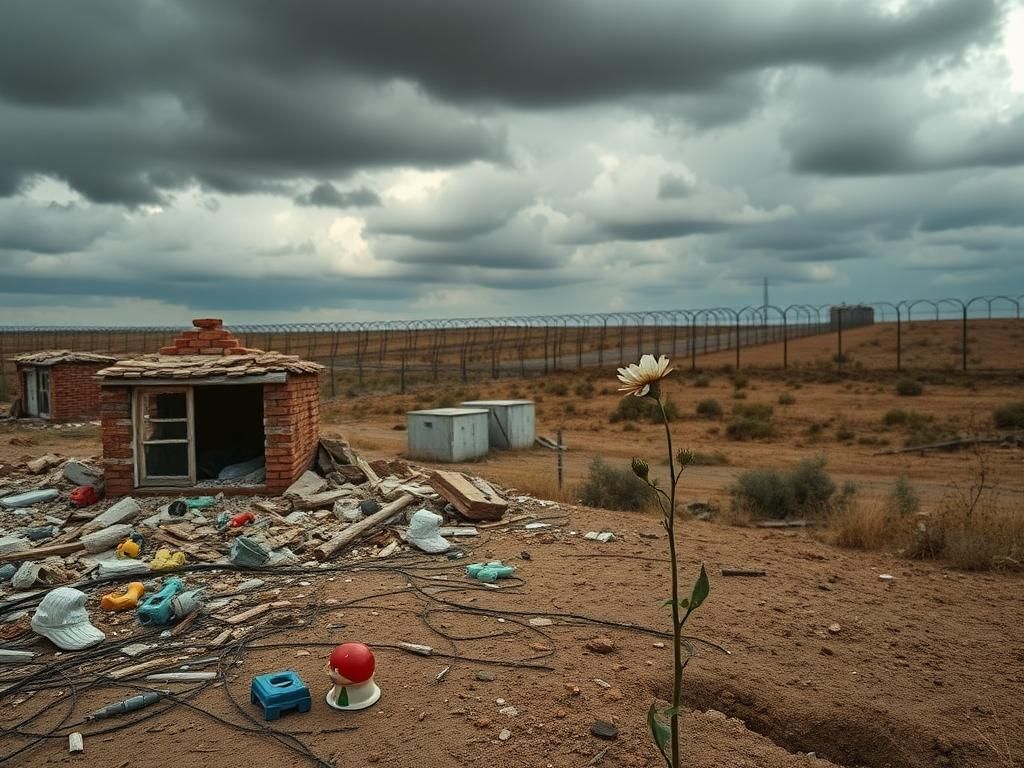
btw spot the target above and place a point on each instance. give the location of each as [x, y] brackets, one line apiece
[540, 622]
[601, 645]
[826, 651]
[614, 694]
[525, 555]
[505, 734]
[603, 536]
[26, 576]
[309, 483]
[20, 500]
[560, 713]
[79, 473]
[250, 584]
[369, 506]
[123, 511]
[604, 730]
[107, 538]
[508, 711]
[485, 676]
[347, 510]
[658, 645]
[574, 690]
[298, 517]
[482, 722]
[602, 683]
[886, 577]
[714, 714]
[43, 463]
[7, 571]
[834, 629]
[10, 544]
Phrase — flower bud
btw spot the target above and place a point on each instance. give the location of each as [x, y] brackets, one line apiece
[640, 468]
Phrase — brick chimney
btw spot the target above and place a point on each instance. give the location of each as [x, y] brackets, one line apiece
[207, 337]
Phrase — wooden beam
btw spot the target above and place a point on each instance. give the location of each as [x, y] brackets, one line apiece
[474, 498]
[42, 552]
[364, 527]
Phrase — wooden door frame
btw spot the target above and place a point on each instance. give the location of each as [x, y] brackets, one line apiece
[142, 477]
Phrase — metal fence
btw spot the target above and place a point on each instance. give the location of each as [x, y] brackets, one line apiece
[521, 345]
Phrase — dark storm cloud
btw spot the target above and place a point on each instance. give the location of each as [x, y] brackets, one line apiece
[539, 53]
[326, 195]
[52, 228]
[673, 186]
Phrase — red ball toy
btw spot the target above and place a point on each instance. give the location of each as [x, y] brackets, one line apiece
[353, 661]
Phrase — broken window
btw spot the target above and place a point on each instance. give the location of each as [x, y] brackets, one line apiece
[43, 393]
[164, 431]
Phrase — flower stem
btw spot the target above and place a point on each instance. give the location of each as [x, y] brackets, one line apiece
[677, 625]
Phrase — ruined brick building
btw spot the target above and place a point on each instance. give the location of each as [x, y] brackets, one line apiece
[60, 385]
[207, 413]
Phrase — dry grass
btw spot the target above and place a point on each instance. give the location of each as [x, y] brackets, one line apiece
[864, 525]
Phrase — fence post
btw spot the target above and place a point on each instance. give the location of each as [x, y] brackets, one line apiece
[839, 326]
[963, 344]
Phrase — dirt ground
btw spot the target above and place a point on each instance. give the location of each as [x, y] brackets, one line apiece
[925, 670]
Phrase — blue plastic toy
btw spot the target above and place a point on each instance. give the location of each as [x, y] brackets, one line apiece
[156, 609]
[280, 692]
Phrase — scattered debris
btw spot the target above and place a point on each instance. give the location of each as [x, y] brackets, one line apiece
[75, 742]
[602, 536]
[474, 498]
[601, 645]
[490, 572]
[424, 532]
[604, 730]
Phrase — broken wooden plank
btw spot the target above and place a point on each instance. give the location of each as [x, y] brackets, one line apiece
[364, 527]
[259, 610]
[40, 553]
[474, 498]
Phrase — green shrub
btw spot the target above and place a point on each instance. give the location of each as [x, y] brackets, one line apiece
[558, 388]
[738, 395]
[786, 398]
[769, 493]
[913, 420]
[584, 389]
[844, 433]
[702, 381]
[614, 488]
[909, 387]
[756, 411]
[643, 409]
[739, 381]
[815, 428]
[1009, 416]
[713, 459]
[894, 417]
[569, 409]
[749, 429]
[709, 409]
[903, 499]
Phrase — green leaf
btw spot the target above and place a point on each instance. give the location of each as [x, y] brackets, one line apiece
[660, 733]
[668, 601]
[701, 588]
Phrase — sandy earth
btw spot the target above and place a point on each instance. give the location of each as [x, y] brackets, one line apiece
[925, 671]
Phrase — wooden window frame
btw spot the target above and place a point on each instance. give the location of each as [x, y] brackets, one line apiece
[41, 373]
[142, 476]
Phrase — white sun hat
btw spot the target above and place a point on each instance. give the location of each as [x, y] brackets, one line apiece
[62, 619]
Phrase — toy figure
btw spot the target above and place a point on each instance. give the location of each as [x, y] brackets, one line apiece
[351, 668]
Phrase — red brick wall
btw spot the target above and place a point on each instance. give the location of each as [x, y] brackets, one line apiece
[207, 337]
[116, 419]
[291, 419]
[74, 390]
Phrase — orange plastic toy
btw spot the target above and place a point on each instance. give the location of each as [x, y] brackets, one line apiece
[130, 599]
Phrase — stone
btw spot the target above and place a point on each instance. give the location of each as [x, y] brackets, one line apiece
[125, 510]
[613, 694]
[560, 713]
[602, 536]
[484, 676]
[601, 645]
[43, 463]
[309, 483]
[834, 629]
[107, 538]
[826, 651]
[505, 734]
[508, 711]
[886, 577]
[79, 473]
[482, 722]
[541, 622]
[602, 683]
[10, 544]
[348, 511]
[604, 730]
[29, 498]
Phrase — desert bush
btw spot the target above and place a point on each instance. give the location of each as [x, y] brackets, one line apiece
[1009, 416]
[739, 395]
[844, 434]
[927, 434]
[903, 499]
[861, 526]
[702, 381]
[613, 488]
[841, 357]
[749, 429]
[815, 428]
[569, 409]
[757, 411]
[786, 398]
[584, 389]
[739, 381]
[643, 409]
[445, 401]
[914, 420]
[806, 490]
[909, 387]
[709, 408]
[558, 388]
[713, 459]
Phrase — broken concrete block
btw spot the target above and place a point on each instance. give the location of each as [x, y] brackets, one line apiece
[308, 484]
[29, 498]
[10, 544]
[79, 473]
[108, 538]
[348, 510]
[43, 463]
[320, 500]
[26, 576]
[123, 511]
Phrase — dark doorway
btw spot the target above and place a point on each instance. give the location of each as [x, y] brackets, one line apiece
[228, 431]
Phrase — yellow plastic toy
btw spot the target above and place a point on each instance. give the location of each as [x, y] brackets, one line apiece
[128, 548]
[165, 560]
[130, 599]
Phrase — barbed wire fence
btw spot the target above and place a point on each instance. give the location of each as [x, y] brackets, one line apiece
[399, 351]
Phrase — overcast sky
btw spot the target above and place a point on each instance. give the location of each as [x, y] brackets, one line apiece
[270, 161]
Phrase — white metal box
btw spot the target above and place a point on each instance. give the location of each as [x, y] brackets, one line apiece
[511, 424]
[448, 434]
